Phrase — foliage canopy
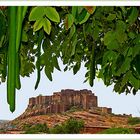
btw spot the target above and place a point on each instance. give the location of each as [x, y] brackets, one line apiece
[36, 129]
[105, 39]
[71, 126]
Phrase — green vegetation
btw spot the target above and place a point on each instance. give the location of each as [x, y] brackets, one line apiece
[134, 120]
[2, 130]
[105, 39]
[71, 126]
[35, 129]
[118, 131]
[16, 16]
[11, 59]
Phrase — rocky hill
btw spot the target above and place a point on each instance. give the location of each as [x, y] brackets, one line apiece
[90, 118]
[63, 101]
[59, 107]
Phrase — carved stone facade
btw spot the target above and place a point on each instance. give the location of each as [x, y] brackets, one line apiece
[62, 101]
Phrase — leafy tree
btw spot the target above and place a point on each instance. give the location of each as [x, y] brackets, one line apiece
[58, 129]
[71, 126]
[38, 128]
[105, 39]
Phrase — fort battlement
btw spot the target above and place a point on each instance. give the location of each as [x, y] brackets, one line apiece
[62, 101]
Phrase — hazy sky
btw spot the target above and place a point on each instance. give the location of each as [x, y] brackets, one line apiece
[120, 104]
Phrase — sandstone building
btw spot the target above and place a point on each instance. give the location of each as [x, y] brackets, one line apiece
[62, 101]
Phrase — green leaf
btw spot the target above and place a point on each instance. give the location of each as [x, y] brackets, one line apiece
[85, 18]
[3, 26]
[69, 21]
[37, 13]
[113, 45]
[80, 9]
[72, 31]
[134, 82]
[118, 63]
[1, 67]
[46, 44]
[42, 59]
[117, 87]
[48, 73]
[125, 66]
[96, 32]
[109, 56]
[66, 68]
[2, 41]
[52, 14]
[109, 37]
[110, 40]
[47, 26]
[129, 53]
[133, 16]
[111, 17]
[125, 79]
[137, 39]
[135, 50]
[120, 26]
[74, 42]
[121, 37]
[107, 74]
[55, 63]
[38, 25]
[132, 35]
[76, 68]
[82, 15]
[137, 64]
[74, 11]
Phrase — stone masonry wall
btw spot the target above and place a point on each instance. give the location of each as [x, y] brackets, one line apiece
[62, 101]
[82, 98]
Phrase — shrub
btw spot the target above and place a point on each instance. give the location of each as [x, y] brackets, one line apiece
[118, 131]
[71, 126]
[58, 129]
[35, 129]
[133, 121]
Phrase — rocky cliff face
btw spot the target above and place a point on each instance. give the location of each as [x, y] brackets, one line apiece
[62, 101]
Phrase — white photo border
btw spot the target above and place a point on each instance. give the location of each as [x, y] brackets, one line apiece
[69, 136]
[69, 2]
